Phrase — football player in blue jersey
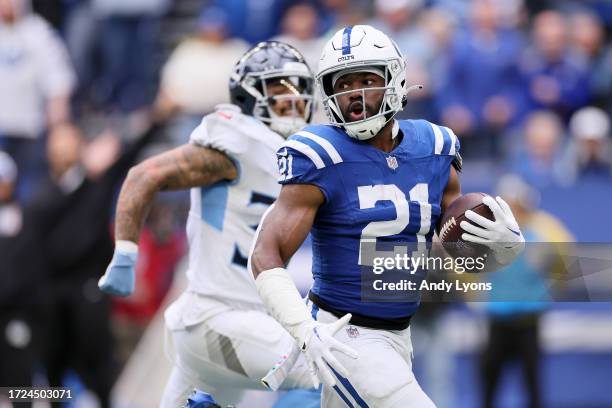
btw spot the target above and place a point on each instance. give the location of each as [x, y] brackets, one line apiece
[366, 177]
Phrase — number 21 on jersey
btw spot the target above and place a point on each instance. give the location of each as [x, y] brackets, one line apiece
[285, 164]
[370, 195]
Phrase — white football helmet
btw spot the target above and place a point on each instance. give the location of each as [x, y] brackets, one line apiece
[362, 46]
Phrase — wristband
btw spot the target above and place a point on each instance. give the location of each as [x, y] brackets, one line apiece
[126, 246]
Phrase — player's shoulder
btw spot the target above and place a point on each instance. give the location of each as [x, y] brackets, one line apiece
[229, 117]
[427, 138]
[229, 130]
[323, 134]
[318, 144]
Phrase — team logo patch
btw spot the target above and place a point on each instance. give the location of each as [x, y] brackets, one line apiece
[392, 162]
[352, 332]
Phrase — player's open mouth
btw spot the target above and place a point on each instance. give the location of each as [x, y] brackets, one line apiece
[356, 111]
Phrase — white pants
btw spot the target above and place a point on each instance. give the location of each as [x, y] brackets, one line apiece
[381, 377]
[224, 350]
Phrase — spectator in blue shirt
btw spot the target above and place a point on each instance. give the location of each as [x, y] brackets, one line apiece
[554, 77]
[588, 39]
[253, 20]
[481, 95]
[537, 160]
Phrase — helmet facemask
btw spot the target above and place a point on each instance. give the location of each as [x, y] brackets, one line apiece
[289, 92]
[393, 101]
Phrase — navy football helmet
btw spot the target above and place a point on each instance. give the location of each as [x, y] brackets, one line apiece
[274, 74]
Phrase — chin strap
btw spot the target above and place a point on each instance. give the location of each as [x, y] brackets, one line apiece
[395, 129]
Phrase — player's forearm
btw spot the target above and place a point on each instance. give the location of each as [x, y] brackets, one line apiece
[276, 243]
[137, 195]
[282, 230]
[184, 167]
[283, 301]
[276, 287]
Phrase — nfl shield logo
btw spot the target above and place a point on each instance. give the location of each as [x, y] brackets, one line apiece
[392, 162]
[352, 332]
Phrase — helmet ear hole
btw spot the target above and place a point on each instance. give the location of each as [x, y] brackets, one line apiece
[327, 85]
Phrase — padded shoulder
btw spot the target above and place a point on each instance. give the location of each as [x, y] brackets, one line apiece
[318, 144]
[307, 156]
[232, 132]
[428, 138]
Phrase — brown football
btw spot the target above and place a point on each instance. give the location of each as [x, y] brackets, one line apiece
[450, 230]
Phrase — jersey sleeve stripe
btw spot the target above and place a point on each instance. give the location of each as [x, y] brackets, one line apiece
[439, 139]
[447, 141]
[306, 151]
[316, 147]
[453, 137]
[328, 147]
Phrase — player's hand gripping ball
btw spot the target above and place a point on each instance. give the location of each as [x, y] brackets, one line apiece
[477, 224]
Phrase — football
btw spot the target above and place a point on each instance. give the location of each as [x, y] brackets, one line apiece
[450, 230]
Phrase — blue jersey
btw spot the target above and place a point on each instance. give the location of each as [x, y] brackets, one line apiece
[370, 196]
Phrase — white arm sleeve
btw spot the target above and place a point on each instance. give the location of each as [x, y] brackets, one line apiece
[283, 301]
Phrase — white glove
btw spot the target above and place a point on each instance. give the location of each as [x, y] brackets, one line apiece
[503, 235]
[283, 301]
[317, 351]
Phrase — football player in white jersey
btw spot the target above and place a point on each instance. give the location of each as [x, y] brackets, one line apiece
[225, 341]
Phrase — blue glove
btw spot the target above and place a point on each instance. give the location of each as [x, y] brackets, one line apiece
[119, 278]
[201, 399]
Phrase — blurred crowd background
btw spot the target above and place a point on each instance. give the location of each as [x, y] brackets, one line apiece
[90, 87]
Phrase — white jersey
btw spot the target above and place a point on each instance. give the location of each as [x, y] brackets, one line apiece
[223, 217]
